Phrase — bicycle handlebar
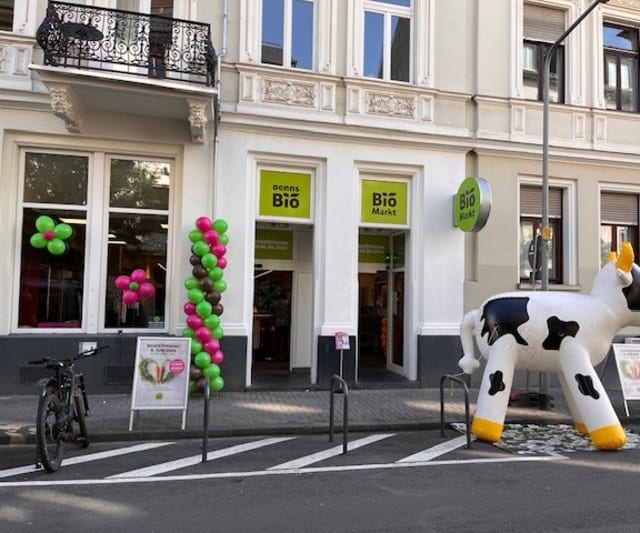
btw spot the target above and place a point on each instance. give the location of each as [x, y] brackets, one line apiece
[86, 353]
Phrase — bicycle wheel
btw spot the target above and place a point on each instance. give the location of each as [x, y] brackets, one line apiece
[79, 417]
[49, 432]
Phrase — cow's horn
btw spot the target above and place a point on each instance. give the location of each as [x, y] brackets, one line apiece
[613, 256]
[626, 257]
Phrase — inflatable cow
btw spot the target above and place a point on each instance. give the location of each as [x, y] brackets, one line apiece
[552, 331]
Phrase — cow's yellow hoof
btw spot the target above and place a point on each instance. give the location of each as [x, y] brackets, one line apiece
[486, 430]
[582, 428]
[609, 437]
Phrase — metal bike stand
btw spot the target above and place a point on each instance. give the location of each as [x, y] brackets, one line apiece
[345, 410]
[205, 425]
[455, 379]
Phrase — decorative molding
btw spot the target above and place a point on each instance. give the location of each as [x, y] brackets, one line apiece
[197, 121]
[600, 127]
[426, 108]
[632, 4]
[391, 105]
[288, 92]
[65, 106]
[579, 120]
[518, 119]
[327, 97]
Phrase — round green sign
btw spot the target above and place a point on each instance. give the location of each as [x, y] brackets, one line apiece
[472, 204]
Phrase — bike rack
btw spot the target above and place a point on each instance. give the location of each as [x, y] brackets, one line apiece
[345, 410]
[455, 379]
[205, 426]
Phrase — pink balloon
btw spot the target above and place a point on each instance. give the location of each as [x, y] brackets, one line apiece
[212, 237]
[189, 308]
[139, 276]
[147, 290]
[217, 357]
[222, 263]
[194, 321]
[203, 334]
[129, 297]
[219, 250]
[122, 282]
[204, 224]
[211, 346]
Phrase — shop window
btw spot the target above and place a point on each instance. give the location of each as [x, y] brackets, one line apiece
[542, 26]
[6, 15]
[288, 33]
[387, 39]
[530, 234]
[618, 222]
[620, 67]
[62, 271]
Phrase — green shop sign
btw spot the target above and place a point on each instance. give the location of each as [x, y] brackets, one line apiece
[384, 202]
[274, 244]
[372, 248]
[285, 195]
[472, 204]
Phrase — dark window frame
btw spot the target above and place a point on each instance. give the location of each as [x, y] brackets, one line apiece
[542, 47]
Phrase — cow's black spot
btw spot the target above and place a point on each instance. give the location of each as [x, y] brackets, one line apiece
[558, 330]
[632, 292]
[497, 384]
[585, 386]
[502, 316]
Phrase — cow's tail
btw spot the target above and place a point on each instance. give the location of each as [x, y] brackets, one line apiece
[468, 363]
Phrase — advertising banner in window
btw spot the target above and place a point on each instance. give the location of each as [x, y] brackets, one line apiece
[372, 248]
[384, 202]
[274, 244]
[285, 195]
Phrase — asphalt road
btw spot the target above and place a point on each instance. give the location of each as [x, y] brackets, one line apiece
[404, 482]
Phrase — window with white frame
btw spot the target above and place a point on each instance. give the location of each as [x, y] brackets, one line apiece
[618, 222]
[6, 15]
[542, 25]
[387, 39]
[288, 33]
[65, 209]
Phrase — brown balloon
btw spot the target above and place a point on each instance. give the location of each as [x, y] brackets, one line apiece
[194, 260]
[195, 373]
[206, 284]
[212, 297]
[199, 271]
[218, 309]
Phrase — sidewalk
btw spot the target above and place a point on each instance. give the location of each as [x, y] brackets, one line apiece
[278, 412]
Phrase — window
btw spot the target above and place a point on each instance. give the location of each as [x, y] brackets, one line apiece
[6, 15]
[61, 268]
[530, 228]
[288, 33]
[542, 26]
[387, 39]
[620, 67]
[618, 222]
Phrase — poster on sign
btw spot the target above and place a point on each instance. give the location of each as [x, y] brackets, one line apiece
[628, 364]
[161, 375]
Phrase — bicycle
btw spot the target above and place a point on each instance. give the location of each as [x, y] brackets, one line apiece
[62, 402]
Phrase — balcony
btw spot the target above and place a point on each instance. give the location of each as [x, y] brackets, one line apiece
[142, 64]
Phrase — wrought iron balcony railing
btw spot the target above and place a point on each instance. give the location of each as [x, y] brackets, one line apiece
[113, 40]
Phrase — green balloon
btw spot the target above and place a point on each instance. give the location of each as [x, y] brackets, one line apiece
[195, 295]
[195, 235]
[191, 283]
[44, 223]
[202, 360]
[220, 285]
[196, 346]
[212, 322]
[56, 247]
[220, 225]
[134, 286]
[216, 274]
[211, 371]
[38, 241]
[200, 248]
[63, 231]
[204, 309]
[216, 384]
[217, 333]
[193, 386]
[209, 260]
[224, 239]
[188, 332]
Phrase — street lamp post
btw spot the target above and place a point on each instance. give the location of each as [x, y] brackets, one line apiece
[546, 231]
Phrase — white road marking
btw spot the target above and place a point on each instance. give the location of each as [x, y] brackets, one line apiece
[294, 471]
[85, 458]
[436, 451]
[331, 452]
[195, 459]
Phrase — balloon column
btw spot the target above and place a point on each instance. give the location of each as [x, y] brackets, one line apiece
[50, 235]
[203, 308]
[135, 286]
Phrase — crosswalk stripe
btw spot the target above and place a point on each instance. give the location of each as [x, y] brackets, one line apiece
[435, 451]
[161, 468]
[86, 458]
[331, 452]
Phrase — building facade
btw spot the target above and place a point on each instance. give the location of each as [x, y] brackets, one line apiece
[332, 137]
